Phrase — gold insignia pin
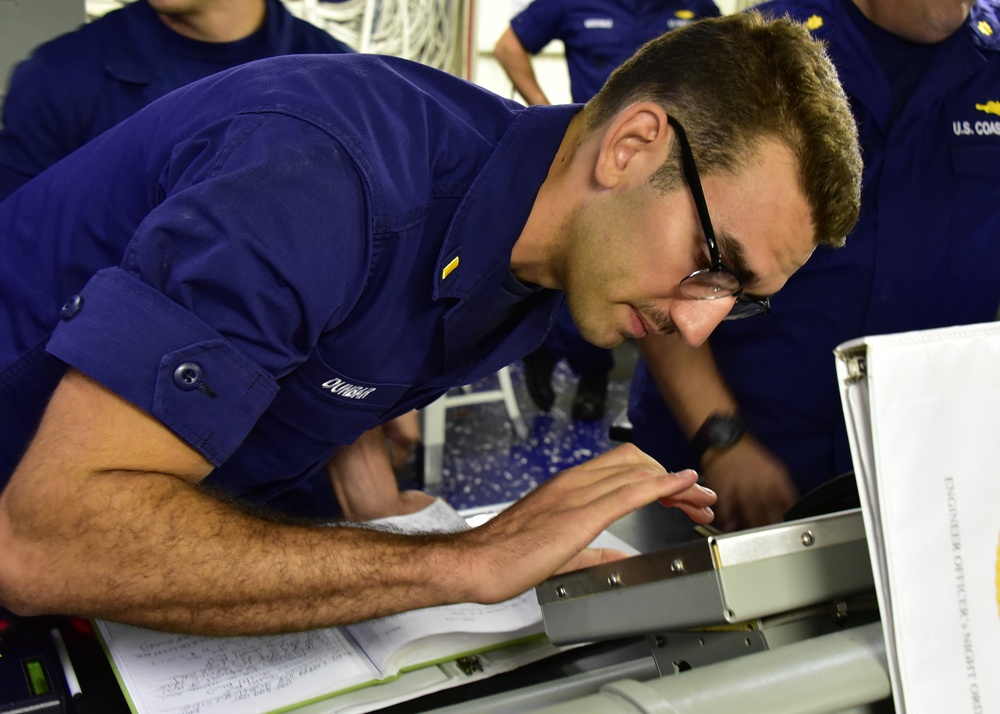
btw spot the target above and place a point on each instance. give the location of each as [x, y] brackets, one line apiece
[985, 28]
[449, 268]
[814, 23]
[991, 107]
[684, 14]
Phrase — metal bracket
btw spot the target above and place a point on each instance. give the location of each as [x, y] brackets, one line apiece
[680, 651]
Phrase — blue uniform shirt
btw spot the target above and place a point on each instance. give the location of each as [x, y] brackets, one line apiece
[925, 253]
[274, 259]
[81, 83]
[601, 34]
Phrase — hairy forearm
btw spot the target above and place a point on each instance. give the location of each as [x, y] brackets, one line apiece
[154, 551]
[105, 517]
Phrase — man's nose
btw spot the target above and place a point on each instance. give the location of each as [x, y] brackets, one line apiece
[695, 319]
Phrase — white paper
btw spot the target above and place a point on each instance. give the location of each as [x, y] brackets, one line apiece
[182, 674]
[930, 487]
[381, 638]
[438, 517]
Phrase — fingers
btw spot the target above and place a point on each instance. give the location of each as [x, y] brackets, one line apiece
[623, 456]
[699, 514]
[625, 478]
[548, 530]
[695, 501]
[695, 494]
[618, 490]
[620, 470]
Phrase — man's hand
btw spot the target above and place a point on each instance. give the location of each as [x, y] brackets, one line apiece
[754, 487]
[402, 435]
[365, 483]
[548, 531]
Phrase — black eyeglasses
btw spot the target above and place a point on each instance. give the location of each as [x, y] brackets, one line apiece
[718, 280]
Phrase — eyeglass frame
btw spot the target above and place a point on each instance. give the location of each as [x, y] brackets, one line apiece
[746, 305]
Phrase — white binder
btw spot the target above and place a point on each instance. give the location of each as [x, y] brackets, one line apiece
[923, 417]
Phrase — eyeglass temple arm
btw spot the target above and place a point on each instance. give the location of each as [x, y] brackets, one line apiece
[694, 184]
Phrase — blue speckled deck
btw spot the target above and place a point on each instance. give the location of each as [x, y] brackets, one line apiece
[486, 463]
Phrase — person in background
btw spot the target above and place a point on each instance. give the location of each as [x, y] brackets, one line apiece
[229, 292]
[81, 83]
[757, 407]
[598, 35]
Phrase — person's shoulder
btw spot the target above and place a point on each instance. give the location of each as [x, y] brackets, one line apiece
[74, 46]
[318, 82]
[78, 49]
[984, 23]
[986, 9]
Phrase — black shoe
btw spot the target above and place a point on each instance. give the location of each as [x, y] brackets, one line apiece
[591, 394]
[538, 367]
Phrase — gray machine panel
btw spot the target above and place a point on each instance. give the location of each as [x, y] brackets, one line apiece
[722, 579]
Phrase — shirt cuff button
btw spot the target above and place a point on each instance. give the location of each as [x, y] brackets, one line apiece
[188, 376]
[71, 307]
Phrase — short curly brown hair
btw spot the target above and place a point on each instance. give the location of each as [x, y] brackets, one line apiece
[735, 80]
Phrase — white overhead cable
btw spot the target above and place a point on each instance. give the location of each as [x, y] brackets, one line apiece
[427, 31]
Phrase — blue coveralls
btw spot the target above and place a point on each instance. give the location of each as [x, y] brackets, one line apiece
[274, 259]
[598, 36]
[925, 253]
[81, 83]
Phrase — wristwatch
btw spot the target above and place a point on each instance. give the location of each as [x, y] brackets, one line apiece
[719, 432]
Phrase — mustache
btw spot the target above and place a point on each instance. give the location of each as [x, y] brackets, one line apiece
[659, 319]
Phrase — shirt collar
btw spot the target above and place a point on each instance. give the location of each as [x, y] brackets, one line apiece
[493, 211]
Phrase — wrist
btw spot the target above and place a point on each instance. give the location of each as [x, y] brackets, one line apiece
[719, 433]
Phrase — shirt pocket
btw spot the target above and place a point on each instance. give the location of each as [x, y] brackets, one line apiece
[976, 159]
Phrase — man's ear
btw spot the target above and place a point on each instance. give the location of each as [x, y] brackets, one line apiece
[634, 146]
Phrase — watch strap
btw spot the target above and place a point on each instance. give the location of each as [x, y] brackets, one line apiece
[719, 432]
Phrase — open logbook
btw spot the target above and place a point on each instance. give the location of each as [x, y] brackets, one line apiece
[332, 669]
[923, 417]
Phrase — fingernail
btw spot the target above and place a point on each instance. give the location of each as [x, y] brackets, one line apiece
[707, 490]
[686, 473]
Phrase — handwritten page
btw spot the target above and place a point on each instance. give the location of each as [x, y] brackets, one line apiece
[182, 674]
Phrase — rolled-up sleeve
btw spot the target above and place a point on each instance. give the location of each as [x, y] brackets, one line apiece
[258, 247]
[165, 360]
